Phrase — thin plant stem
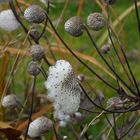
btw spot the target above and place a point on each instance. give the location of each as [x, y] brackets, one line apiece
[43, 31]
[129, 129]
[55, 132]
[18, 19]
[18, 6]
[31, 109]
[106, 60]
[137, 15]
[114, 69]
[132, 108]
[128, 65]
[113, 45]
[44, 75]
[47, 62]
[44, 71]
[114, 127]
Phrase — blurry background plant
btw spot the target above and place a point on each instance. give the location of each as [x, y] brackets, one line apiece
[105, 61]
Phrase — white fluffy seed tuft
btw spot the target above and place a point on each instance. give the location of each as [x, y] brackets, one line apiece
[63, 90]
[8, 21]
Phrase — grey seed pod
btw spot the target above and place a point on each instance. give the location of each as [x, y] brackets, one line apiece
[35, 34]
[37, 52]
[115, 101]
[74, 26]
[10, 101]
[33, 68]
[96, 21]
[39, 126]
[110, 1]
[105, 48]
[34, 14]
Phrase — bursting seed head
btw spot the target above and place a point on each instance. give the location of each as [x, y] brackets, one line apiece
[34, 14]
[33, 68]
[63, 91]
[95, 21]
[10, 101]
[110, 1]
[105, 48]
[37, 52]
[39, 126]
[74, 26]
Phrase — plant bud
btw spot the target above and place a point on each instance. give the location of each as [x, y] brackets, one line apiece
[10, 101]
[8, 21]
[74, 26]
[39, 126]
[80, 77]
[33, 68]
[115, 102]
[110, 1]
[96, 21]
[105, 48]
[34, 14]
[37, 52]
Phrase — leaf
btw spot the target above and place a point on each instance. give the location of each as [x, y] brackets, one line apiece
[11, 133]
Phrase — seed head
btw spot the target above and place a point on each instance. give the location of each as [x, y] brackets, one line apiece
[34, 14]
[33, 68]
[115, 102]
[63, 90]
[8, 21]
[35, 33]
[96, 21]
[39, 126]
[37, 52]
[110, 1]
[74, 26]
[105, 48]
[10, 101]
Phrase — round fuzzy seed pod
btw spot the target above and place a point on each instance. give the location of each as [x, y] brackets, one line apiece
[39, 126]
[37, 52]
[35, 33]
[33, 68]
[34, 14]
[110, 1]
[10, 101]
[8, 22]
[105, 48]
[95, 21]
[74, 26]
